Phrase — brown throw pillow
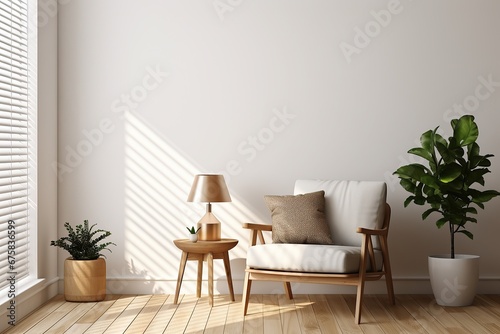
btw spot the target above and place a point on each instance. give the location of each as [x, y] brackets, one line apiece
[299, 219]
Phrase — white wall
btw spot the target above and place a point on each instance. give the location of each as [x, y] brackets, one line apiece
[153, 92]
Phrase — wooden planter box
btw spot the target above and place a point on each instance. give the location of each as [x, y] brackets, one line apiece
[84, 280]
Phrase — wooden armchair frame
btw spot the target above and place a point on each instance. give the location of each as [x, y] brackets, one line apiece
[355, 279]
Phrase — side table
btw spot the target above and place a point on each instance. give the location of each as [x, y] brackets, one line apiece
[205, 251]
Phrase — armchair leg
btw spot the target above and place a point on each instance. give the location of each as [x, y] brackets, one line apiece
[390, 288]
[359, 301]
[362, 274]
[247, 285]
[387, 269]
[288, 290]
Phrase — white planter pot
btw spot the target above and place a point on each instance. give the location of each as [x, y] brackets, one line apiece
[193, 237]
[454, 281]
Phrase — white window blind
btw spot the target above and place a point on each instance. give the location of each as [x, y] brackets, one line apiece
[14, 140]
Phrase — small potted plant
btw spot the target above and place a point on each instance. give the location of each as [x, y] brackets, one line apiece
[85, 270]
[193, 233]
[448, 185]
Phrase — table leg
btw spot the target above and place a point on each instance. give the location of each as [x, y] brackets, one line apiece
[210, 261]
[227, 266]
[182, 266]
[198, 280]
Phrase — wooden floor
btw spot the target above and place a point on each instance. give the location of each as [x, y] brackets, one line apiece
[267, 314]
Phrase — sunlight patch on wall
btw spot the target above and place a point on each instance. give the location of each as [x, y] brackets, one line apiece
[158, 178]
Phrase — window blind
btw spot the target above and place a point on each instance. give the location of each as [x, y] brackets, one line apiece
[14, 141]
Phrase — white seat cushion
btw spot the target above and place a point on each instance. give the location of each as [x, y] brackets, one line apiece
[308, 258]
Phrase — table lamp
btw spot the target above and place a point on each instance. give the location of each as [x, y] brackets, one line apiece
[209, 188]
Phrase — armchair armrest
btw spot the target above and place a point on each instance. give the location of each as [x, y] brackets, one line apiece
[371, 231]
[256, 230]
[367, 247]
[254, 226]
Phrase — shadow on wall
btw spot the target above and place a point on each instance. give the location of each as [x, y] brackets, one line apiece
[158, 179]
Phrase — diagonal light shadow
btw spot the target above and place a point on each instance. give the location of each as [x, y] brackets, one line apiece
[158, 177]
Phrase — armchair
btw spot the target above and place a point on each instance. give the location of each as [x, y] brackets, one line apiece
[358, 218]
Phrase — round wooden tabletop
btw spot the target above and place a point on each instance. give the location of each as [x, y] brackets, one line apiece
[204, 247]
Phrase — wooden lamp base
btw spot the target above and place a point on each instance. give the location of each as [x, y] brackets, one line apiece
[210, 228]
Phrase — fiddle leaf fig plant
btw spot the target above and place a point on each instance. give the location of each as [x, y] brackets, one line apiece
[447, 182]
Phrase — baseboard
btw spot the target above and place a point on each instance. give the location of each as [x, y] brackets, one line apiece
[402, 285]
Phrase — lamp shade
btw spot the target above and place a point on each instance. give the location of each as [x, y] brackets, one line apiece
[209, 188]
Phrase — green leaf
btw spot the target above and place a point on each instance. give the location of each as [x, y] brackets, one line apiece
[476, 176]
[447, 154]
[428, 212]
[408, 185]
[439, 139]
[432, 167]
[455, 147]
[435, 201]
[412, 171]
[427, 140]
[484, 196]
[484, 161]
[428, 191]
[408, 201]
[450, 172]
[470, 219]
[473, 150]
[440, 223]
[454, 186]
[481, 205]
[465, 130]
[471, 210]
[419, 200]
[421, 152]
[467, 233]
[430, 181]
[192, 230]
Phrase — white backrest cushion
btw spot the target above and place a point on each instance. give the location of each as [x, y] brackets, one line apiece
[348, 205]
